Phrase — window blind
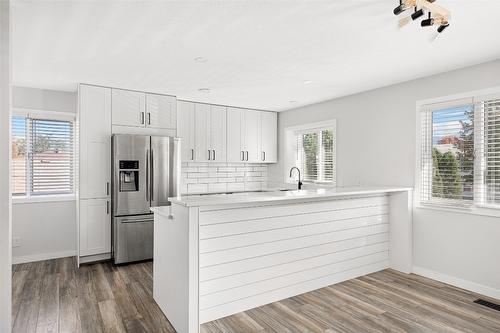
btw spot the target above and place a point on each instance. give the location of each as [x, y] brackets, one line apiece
[490, 150]
[42, 156]
[51, 157]
[460, 153]
[448, 155]
[315, 155]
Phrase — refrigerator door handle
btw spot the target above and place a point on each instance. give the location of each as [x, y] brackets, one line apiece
[151, 185]
[147, 175]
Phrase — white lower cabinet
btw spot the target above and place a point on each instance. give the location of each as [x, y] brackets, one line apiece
[95, 227]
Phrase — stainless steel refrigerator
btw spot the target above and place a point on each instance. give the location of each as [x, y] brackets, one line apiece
[146, 172]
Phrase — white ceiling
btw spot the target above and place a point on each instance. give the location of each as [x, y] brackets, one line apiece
[259, 53]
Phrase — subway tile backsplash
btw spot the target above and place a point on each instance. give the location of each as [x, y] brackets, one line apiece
[200, 177]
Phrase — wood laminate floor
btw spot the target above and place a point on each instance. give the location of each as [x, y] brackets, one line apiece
[55, 296]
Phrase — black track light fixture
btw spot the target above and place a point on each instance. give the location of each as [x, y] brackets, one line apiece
[417, 14]
[443, 26]
[427, 22]
[435, 15]
[399, 9]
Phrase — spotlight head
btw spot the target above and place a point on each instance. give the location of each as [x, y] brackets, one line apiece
[427, 22]
[443, 26]
[399, 9]
[417, 14]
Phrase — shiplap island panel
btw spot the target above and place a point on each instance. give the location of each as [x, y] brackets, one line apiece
[222, 254]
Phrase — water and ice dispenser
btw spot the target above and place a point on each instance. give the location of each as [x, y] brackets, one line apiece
[129, 176]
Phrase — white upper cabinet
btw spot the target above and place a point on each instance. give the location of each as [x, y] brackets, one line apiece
[269, 137]
[235, 135]
[217, 133]
[201, 127]
[129, 107]
[186, 130]
[95, 141]
[213, 133]
[252, 136]
[210, 133]
[161, 111]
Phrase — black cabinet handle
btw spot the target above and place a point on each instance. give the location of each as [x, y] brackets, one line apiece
[192, 154]
[107, 207]
[214, 154]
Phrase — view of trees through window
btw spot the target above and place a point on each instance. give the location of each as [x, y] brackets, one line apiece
[316, 155]
[453, 153]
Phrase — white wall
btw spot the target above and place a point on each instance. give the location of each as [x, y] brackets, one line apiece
[45, 229]
[43, 99]
[5, 221]
[376, 146]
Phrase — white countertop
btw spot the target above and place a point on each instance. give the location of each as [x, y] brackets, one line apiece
[268, 196]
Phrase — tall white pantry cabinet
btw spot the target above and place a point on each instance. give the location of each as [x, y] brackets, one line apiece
[94, 200]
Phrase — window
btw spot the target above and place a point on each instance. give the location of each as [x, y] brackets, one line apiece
[460, 156]
[42, 156]
[314, 151]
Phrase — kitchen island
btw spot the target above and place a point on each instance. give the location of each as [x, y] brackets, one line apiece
[222, 254]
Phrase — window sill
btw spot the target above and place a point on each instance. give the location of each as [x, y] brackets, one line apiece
[44, 198]
[473, 210]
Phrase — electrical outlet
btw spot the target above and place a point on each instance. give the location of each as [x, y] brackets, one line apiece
[16, 241]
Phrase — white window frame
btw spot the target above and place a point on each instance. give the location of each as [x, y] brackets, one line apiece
[476, 208]
[290, 148]
[49, 115]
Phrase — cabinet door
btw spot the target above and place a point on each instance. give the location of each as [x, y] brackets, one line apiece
[160, 111]
[217, 132]
[269, 137]
[252, 136]
[201, 136]
[185, 130]
[235, 120]
[129, 108]
[95, 227]
[95, 141]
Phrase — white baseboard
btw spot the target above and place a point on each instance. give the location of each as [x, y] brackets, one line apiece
[457, 282]
[94, 258]
[42, 256]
